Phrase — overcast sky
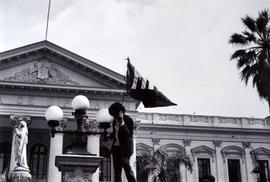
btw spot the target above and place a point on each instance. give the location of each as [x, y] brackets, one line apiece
[180, 45]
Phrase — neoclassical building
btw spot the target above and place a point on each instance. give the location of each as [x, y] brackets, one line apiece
[36, 76]
[225, 147]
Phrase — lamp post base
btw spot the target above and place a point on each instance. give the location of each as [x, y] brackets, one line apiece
[21, 174]
[77, 167]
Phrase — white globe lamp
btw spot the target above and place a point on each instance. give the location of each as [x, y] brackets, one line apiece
[54, 115]
[80, 102]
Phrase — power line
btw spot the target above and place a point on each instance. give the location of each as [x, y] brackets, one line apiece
[198, 42]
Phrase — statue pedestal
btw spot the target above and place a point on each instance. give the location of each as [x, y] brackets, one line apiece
[21, 174]
[77, 167]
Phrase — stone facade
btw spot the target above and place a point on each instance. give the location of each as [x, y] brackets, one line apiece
[42, 74]
[219, 139]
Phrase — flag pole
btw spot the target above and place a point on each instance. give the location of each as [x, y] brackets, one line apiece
[123, 95]
[48, 18]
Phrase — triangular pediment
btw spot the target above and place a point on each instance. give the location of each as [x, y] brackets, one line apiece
[232, 150]
[262, 151]
[143, 148]
[203, 149]
[45, 63]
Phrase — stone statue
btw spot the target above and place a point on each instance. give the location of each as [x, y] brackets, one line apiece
[21, 140]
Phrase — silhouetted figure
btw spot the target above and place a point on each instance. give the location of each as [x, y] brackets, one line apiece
[122, 147]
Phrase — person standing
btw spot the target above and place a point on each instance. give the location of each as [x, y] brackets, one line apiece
[122, 148]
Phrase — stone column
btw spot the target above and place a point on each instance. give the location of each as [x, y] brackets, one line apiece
[15, 120]
[93, 144]
[56, 148]
[93, 148]
[183, 173]
[187, 142]
[219, 161]
[248, 161]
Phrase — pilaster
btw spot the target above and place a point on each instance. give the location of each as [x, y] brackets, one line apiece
[187, 143]
[219, 161]
[248, 161]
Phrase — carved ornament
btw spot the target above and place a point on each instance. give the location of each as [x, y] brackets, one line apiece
[155, 141]
[77, 175]
[187, 142]
[246, 144]
[217, 143]
[15, 119]
[42, 72]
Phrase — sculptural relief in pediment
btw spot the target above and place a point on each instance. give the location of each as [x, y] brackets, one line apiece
[42, 71]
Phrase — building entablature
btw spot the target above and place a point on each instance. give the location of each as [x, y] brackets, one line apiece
[204, 122]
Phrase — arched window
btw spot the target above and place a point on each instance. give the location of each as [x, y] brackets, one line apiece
[5, 150]
[38, 161]
[204, 160]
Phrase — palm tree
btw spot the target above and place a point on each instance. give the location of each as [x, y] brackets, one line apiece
[161, 166]
[253, 55]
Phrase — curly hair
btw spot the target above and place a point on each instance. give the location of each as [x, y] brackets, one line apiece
[115, 108]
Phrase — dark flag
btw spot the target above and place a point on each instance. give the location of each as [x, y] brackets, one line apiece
[140, 89]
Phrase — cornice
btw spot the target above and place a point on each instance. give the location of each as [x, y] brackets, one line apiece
[12, 62]
[167, 127]
[86, 71]
[28, 89]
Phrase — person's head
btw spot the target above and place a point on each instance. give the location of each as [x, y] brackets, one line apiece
[115, 109]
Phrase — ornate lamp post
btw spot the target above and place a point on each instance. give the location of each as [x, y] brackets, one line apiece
[54, 116]
[77, 163]
[104, 119]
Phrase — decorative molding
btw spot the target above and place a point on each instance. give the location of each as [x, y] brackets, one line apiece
[12, 62]
[155, 141]
[42, 72]
[91, 125]
[232, 150]
[173, 148]
[205, 121]
[15, 119]
[262, 151]
[246, 144]
[203, 150]
[63, 125]
[141, 147]
[87, 71]
[187, 142]
[77, 175]
[217, 143]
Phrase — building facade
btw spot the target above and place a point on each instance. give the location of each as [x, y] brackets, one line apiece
[228, 148]
[36, 76]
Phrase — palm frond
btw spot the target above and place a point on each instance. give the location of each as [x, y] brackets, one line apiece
[245, 74]
[183, 158]
[244, 57]
[249, 36]
[161, 165]
[262, 21]
[254, 62]
[238, 39]
[248, 72]
[238, 53]
[250, 23]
